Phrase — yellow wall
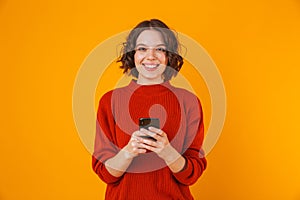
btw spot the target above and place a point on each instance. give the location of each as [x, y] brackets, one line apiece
[255, 44]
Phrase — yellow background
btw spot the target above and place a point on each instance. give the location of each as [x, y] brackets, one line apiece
[255, 44]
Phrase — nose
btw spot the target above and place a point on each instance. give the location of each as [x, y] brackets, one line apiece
[151, 53]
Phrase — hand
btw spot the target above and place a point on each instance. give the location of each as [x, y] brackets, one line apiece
[134, 146]
[161, 146]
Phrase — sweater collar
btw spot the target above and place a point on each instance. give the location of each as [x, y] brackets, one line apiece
[149, 89]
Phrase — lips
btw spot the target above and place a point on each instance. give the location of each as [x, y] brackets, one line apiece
[150, 67]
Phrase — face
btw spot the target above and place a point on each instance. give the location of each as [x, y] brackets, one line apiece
[150, 57]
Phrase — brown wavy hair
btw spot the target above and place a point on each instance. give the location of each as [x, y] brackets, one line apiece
[175, 61]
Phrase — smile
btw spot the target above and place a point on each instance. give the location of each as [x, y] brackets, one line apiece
[150, 67]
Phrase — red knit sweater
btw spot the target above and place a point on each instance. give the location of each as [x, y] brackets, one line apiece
[148, 177]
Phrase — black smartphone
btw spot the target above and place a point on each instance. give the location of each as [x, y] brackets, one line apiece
[146, 123]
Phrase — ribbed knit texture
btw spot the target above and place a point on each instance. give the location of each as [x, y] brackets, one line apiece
[148, 177]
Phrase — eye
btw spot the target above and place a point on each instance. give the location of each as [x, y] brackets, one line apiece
[161, 49]
[142, 49]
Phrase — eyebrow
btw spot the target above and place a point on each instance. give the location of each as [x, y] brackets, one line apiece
[142, 44]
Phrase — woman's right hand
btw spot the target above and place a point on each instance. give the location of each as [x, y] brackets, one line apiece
[118, 164]
[134, 146]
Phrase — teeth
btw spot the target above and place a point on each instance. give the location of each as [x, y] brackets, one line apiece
[151, 66]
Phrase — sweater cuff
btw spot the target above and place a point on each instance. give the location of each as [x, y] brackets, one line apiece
[187, 170]
[108, 177]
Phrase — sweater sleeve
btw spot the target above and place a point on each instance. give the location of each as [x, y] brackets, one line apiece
[104, 147]
[194, 155]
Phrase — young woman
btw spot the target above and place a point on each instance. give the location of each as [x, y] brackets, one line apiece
[158, 162]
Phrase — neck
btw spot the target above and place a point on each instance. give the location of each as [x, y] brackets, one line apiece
[149, 90]
[142, 81]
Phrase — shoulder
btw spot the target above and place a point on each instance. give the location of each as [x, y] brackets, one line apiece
[106, 97]
[184, 93]
[189, 100]
[114, 92]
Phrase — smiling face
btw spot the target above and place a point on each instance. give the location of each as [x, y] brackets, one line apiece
[150, 57]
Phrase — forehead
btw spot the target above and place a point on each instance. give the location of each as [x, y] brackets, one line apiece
[150, 38]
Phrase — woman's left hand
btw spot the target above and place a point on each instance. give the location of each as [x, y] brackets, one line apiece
[161, 146]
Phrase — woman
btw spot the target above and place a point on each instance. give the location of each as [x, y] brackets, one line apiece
[155, 163]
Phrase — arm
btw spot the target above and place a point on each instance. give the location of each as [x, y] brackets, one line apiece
[104, 149]
[194, 155]
[114, 167]
[104, 146]
[108, 161]
[118, 164]
[189, 166]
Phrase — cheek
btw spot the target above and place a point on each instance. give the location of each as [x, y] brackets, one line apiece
[137, 58]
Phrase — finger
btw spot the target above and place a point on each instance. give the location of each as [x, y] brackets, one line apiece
[133, 138]
[156, 130]
[140, 150]
[138, 134]
[148, 147]
[150, 133]
[149, 142]
[137, 147]
[162, 136]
